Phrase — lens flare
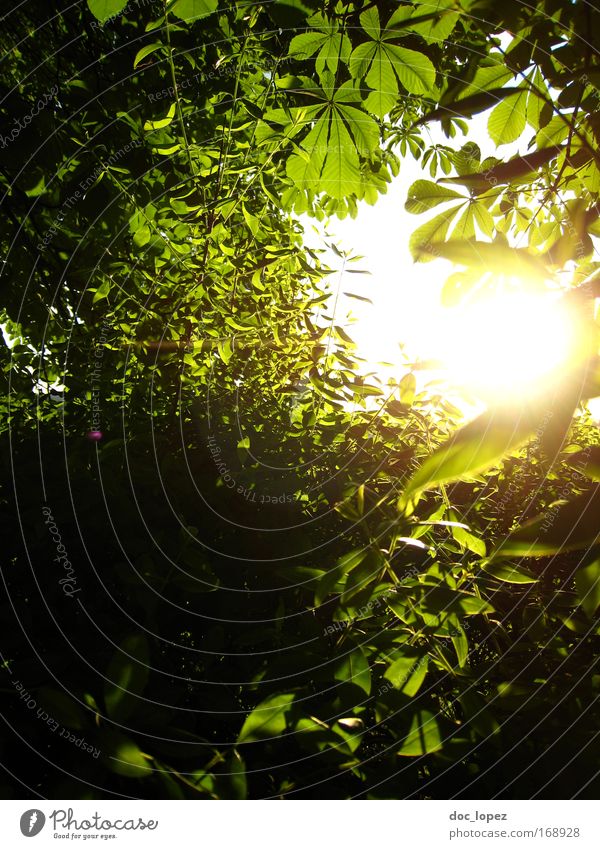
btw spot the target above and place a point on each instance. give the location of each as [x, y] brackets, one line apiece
[504, 345]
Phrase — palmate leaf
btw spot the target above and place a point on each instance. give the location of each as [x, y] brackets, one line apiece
[326, 40]
[361, 59]
[535, 102]
[333, 147]
[305, 45]
[369, 21]
[483, 218]
[383, 64]
[575, 241]
[316, 143]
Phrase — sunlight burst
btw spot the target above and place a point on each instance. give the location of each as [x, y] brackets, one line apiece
[504, 345]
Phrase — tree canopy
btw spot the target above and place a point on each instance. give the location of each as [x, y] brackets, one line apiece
[236, 564]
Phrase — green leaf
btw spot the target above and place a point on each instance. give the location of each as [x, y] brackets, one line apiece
[424, 736]
[415, 71]
[305, 45]
[361, 59]
[587, 462]
[516, 170]
[369, 21]
[474, 447]
[327, 584]
[587, 583]
[482, 218]
[508, 573]
[126, 676]
[553, 133]
[424, 195]
[101, 292]
[123, 756]
[408, 672]
[343, 567]
[225, 350]
[508, 119]
[237, 775]
[341, 173]
[466, 107]
[426, 239]
[301, 170]
[486, 255]
[361, 574]
[535, 103]
[147, 51]
[354, 669]
[382, 80]
[102, 10]
[465, 226]
[468, 540]
[441, 23]
[382, 64]
[362, 127]
[61, 707]
[407, 389]
[142, 237]
[564, 526]
[326, 39]
[192, 10]
[461, 645]
[442, 599]
[487, 77]
[268, 719]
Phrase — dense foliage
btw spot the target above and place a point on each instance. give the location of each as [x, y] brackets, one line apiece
[235, 564]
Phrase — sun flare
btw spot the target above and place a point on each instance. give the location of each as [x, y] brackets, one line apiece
[504, 345]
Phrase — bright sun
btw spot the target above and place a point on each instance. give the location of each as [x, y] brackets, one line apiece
[497, 347]
[503, 345]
